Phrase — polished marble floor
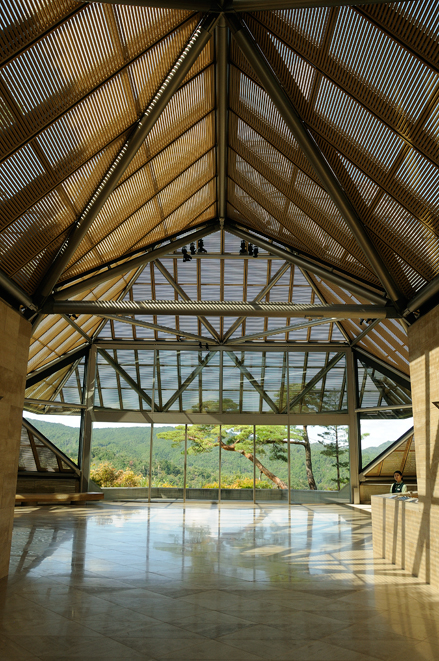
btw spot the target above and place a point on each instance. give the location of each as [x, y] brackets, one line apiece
[202, 582]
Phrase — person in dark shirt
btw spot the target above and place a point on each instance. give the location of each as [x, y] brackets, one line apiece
[398, 486]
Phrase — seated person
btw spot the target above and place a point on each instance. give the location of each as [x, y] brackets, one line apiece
[398, 486]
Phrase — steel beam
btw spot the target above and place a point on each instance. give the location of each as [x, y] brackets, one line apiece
[52, 404]
[277, 276]
[220, 309]
[284, 329]
[126, 377]
[377, 409]
[394, 373]
[426, 294]
[308, 265]
[230, 419]
[310, 385]
[181, 68]
[12, 289]
[157, 327]
[86, 430]
[77, 328]
[186, 383]
[186, 345]
[222, 95]
[180, 291]
[55, 366]
[312, 152]
[228, 6]
[359, 337]
[253, 381]
[354, 428]
[131, 264]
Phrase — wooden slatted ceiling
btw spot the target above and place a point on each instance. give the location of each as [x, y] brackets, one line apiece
[23, 22]
[337, 113]
[35, 172]
[416, 23]
[410, 267]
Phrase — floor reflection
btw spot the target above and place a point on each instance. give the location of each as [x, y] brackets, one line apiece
[198, 581]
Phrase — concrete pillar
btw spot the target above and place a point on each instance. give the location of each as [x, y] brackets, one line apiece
[423, 339]
[407, 533]
[15, 334]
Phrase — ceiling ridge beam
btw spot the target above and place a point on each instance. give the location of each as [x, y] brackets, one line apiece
[305, 141]
[188, 57]
[222, 37]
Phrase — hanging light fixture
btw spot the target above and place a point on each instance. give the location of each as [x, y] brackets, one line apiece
[186, 256]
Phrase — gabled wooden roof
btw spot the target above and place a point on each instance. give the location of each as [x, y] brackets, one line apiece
[76, 78]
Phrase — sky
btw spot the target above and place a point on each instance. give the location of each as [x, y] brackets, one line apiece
[379, 430]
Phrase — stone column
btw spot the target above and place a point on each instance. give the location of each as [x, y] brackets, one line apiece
[15, 334]
[423, 338]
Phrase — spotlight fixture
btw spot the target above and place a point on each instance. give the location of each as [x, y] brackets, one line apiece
[207, 347]
[186, 256]
[250, 249]
[201, 247]
[255, 251]
[243, 250]
[192, 248]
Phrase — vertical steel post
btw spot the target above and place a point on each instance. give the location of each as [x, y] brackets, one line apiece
[152, 424]
[87, 419]
[354, 432]
[185, 464]
[219, 463]
[288, 426]
[150, 461]
[254, 464]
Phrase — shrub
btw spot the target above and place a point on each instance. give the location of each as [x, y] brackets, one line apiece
[105, 475]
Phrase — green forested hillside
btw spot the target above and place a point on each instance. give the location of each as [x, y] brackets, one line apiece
[128, 447]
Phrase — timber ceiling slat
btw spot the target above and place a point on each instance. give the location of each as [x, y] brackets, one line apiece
[415, 24]
[302, 194]
[363, 138]
[65, 66]
[169, 176]
[402, 92]
[74, 79]
[23, 21]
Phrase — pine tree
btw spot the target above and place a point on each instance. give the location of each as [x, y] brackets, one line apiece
[335, 446]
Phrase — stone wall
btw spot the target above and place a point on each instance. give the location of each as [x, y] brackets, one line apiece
[413, 539]
[14, 349]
